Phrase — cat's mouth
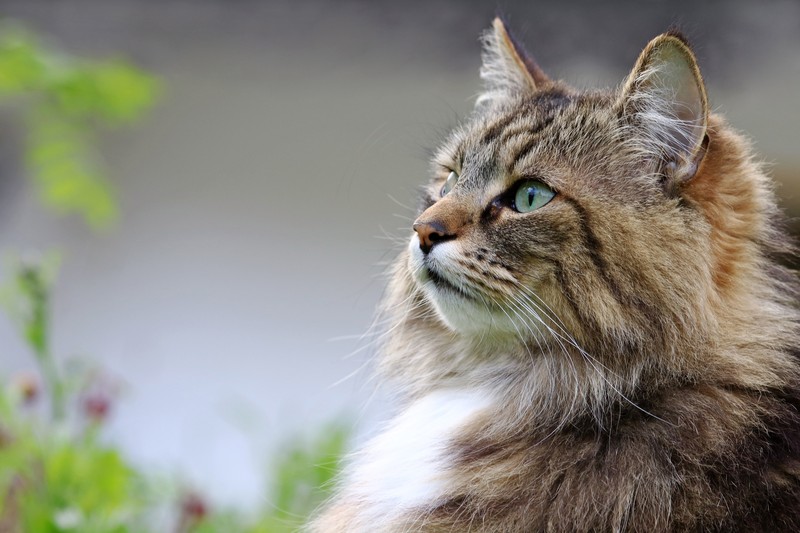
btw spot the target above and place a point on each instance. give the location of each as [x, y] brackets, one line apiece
[431, 273]
[444, 284]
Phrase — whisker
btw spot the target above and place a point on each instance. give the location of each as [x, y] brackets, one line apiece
[404, 206]
[591, 360]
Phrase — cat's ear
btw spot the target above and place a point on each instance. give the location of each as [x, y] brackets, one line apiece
[507, 69]
[665, 99]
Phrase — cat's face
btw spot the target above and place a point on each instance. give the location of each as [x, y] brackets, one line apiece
[553, 206]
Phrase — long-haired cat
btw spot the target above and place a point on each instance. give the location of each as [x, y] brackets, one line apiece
[589, 327]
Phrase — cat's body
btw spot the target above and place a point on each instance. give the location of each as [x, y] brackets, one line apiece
[589, 329]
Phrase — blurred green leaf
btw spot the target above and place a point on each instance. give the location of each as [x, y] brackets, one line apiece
[21, 64]
[64, 102]
[114, 92]
[305, 473]
[66, 171]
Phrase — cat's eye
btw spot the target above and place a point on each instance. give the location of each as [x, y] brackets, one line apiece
[531, 195]
[449, 183]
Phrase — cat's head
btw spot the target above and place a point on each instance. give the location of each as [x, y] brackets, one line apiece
[604, 216]
[554, 202]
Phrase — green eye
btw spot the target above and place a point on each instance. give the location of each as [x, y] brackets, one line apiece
[449, 183]
[532, 195]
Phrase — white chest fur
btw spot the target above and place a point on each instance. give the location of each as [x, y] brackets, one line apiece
[406, 465]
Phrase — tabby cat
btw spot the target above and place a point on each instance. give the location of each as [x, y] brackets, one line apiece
[589, 329]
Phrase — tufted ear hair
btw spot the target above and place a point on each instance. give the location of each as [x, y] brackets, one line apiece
[507, 69]
[664, 99]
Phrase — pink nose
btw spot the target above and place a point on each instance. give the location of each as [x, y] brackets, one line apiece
[430, 233]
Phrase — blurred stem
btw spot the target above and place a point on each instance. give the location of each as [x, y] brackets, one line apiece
[36, 333]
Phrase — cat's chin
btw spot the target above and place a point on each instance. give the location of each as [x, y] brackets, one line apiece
[459, 307]
[458, 312]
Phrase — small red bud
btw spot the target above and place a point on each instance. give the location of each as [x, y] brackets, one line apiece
[27, 385]
[96, 407]
[194, 506]
[193, 511]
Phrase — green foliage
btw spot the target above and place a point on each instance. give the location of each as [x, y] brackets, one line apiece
[304, 474]
[57, 475]
[302, 478]
[54, 476]
[56, 472]
[26, 299]
[53, 484]
[64, 102]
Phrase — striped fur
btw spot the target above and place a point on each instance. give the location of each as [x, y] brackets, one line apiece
[635, 340]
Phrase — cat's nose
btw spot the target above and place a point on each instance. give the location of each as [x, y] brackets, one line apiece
[430, 233]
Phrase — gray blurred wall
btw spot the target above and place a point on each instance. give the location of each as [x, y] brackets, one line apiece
[259, 197]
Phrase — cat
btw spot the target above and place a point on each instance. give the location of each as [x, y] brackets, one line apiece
[590, 329]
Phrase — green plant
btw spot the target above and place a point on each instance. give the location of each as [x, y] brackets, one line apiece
[57, 474]
[302, 476]
[63, 102]
[26, 300]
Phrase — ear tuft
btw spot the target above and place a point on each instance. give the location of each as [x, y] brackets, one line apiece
[507, 69]
[675, 32]
[665, 98]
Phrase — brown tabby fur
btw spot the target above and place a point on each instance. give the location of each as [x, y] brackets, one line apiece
[667, 399]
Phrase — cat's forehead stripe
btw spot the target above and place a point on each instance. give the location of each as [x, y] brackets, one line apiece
[526, 128]
[527, 117]
[542, 109]
[478, 167]
[482, 159]
[531, 142]
[494, 131]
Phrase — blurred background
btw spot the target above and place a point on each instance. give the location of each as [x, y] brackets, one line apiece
[258, 197]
